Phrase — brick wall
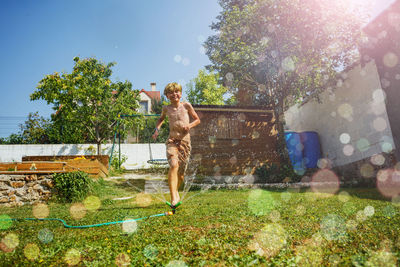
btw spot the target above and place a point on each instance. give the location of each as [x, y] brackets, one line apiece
[232, 141]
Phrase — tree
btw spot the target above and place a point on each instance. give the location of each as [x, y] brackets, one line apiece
[88, 101]
[205, 90]
[273, 53]
[34, 130]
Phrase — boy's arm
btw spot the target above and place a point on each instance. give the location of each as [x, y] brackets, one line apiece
[193, 114]
[159, 122]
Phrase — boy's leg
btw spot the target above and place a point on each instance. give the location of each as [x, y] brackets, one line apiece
[181, 178]
[173, 181]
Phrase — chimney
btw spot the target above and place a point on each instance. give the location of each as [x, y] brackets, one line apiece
[153, 86]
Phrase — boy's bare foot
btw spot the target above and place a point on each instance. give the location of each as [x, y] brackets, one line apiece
[174, 202]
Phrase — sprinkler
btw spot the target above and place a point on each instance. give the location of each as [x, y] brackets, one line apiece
[173, 207]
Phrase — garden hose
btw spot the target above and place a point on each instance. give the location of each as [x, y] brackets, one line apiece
[91, 225]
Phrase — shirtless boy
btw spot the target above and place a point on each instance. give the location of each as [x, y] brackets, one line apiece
[178, 143]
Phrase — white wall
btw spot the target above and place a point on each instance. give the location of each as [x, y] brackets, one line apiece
[137, 154]
[354, 108]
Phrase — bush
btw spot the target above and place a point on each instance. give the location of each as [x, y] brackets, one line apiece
[72, 186]
[273, 173]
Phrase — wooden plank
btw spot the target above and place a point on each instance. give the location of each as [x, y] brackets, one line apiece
[102, 158]
[32, 172]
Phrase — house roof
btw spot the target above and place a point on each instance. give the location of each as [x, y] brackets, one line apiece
[152, 94]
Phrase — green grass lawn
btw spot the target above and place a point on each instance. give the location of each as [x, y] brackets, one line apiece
[224, 228]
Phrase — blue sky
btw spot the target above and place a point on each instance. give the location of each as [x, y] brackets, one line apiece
[151, 41]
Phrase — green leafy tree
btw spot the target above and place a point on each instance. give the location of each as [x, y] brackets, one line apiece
[205, 90]
[273, 53]
[88, 100]
[35, 129]
[12, 139]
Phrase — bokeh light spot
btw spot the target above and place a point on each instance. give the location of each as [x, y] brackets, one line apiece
[348, 150]
[5, 222]
[390, 60]
[378, 96]
[176, 263]
[31, 251]
[72, 257]
[177, 58]
[387, 147]
[360, 216]
[382, 258]
[344, 196]
[344, 138]
[260, 202]
[396, 200]
[367, 170]
[77, 211]
[130, 226]
[363, 144]
[122, 259]
[325, 181]
[369, 211]
[288, 64]
[286, 196]
[333, 227]
[324, 163]
[269, 241]
[185, 61]
[378, 160]
[92, 203]
[379, 124]
[351, 225]
[274, 216]
[389, 211]
[45, 236]
[150, 252]
[9, 242]
[388, 182]
[345, 110]
[143, 200]
[40, 210]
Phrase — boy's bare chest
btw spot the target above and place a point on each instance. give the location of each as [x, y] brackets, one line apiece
[177, 113]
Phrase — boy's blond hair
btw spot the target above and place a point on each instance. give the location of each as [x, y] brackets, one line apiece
[171, 87]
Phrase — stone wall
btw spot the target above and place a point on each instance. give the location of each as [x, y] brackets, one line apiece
[16, 190]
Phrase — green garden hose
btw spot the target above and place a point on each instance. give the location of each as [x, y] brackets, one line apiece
[91, 225]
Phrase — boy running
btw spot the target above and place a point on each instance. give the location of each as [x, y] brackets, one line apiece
[178, 143]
